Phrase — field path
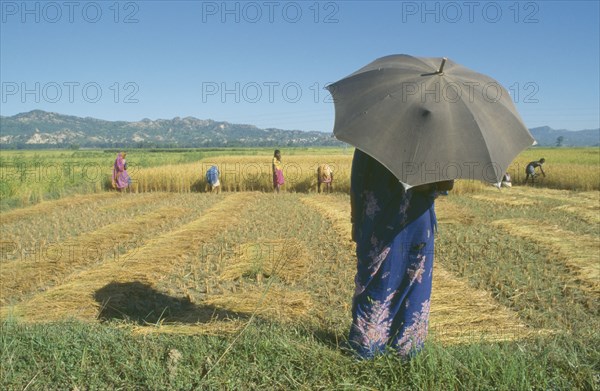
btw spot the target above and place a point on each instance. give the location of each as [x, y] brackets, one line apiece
[147, 266]
[459, 313]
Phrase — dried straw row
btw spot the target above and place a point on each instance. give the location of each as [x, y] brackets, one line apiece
[50, 206]
[212, 326]
[579, 252]
[336, 210]
[288, 261]
[461, 314]
[590, 195]
[53, 263]
[591, 214]
[569, 196]
[228, 313]
[129, 200]
[448, 212]
[146, 265]
[503, 198]
[271, 302]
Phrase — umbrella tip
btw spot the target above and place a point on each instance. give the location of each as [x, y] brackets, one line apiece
[441, 70]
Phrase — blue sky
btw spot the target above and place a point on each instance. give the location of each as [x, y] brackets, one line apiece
[266, 62]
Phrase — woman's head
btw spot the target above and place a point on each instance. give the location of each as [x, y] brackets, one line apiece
[542, 160]
[123, 154]
[277, 154]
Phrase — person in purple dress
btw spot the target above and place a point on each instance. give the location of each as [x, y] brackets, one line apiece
[120, 177]
[278, 180]
[394, 233]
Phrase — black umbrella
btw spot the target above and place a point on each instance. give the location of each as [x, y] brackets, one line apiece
[429, 119]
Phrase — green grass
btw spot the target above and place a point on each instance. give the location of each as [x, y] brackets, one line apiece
[273, 357]
[586, 156]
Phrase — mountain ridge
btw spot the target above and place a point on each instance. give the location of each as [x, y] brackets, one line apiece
[42, 129]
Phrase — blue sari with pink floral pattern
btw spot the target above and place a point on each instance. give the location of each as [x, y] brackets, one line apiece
[393, 229]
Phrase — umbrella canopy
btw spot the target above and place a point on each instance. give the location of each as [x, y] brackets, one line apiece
[429, 119]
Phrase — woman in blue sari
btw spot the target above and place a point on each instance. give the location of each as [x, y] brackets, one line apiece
[393, 229]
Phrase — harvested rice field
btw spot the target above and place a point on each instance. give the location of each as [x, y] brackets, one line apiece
[175, 288]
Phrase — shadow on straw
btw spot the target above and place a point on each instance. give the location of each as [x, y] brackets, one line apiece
[140, 303]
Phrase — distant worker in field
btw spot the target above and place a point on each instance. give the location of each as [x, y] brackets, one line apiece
[325, 175]
[212, 179]
[277, 171]
[530, 170]
[506, 180]
[120, 177]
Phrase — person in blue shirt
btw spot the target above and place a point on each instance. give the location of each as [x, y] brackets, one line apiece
[530, 170]
[212, 179]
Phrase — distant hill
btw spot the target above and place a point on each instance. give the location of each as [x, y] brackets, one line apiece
[41, 129]
[546, 136]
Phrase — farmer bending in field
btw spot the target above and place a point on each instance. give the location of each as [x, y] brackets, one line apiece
[530, 170]
[393, 229]
[325, 175]
[212, 179]
[277, 171]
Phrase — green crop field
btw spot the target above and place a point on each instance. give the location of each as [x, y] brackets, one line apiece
[167, 286]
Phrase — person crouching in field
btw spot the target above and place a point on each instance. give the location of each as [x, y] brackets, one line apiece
[278, 180]
[120, 177]
[325, 175]
[506, 180]
[530, 170]
[212, 179]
